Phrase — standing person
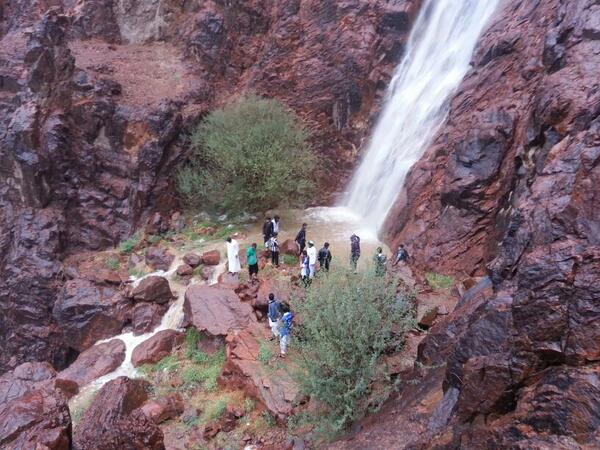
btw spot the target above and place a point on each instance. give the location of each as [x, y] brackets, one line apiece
[267, 230]
[304, 269]
[380, 262]
[354, 251]
[401, 255]
[312, 259]
[324, 257]
[276, 224]
[301, 238]
[252, 262]
[274, 314]
[274, 246]
[285, 330]
[233, 255]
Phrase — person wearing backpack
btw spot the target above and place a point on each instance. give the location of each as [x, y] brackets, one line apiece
[274, 315]
[285, 330]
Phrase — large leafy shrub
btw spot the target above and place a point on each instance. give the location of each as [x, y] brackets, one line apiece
[252, 155]
[347, 322]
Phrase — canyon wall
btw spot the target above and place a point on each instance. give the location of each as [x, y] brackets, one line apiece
[95, 100]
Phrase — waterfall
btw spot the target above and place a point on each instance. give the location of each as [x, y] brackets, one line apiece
[437, 57]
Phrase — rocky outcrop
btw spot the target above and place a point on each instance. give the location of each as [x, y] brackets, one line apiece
[157, 347]
[33, 409]
[95, 362]
[114, 419]
[152, 289]
[146, 316]
[216, 311]
[164, 408]
[158, 258]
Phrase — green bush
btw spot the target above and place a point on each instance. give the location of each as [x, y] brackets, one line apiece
[290, 260]
[252, 155]
[128, 245]
[347, 321]
[439, 282]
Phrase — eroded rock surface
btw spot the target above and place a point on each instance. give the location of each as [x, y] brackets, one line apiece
[154, 349]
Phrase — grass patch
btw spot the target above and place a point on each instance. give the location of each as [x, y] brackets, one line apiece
[268, 418]
[154, 239]
[137, 272]
[112, 263]
[439, 282]
[214, 410]
[249, 405]
[128, 245]
[265, 352]
[168, 364]
[204, 369]
[290, 260]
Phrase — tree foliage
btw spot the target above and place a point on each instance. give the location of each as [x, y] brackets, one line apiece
[347, 322]
[252, 156]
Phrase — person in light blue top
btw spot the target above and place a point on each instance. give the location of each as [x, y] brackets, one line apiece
[285, 330]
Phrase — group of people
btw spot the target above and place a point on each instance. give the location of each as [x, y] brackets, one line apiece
[280, 322]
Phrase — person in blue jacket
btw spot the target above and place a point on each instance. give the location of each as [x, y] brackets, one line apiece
[285, 330]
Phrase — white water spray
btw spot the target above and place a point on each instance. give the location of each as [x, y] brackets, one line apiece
[437, 58]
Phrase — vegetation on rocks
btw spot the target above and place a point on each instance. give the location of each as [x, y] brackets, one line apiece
[439, 282]
[252, 155]
[347, 322]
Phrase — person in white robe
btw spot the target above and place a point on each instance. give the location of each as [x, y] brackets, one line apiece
[233, 255]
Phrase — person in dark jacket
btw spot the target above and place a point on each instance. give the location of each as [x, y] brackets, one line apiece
[324, 257]
[401, 255]
[274, 247]
[354, 251]
[274, 315]
[267, 230]
[380, 262]
[301, 238]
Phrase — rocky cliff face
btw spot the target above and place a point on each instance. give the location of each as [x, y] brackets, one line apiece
[509, 189]
[95, 96]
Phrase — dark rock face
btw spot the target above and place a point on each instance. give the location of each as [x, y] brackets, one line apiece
[114, 419]
[146, 316]
[153, 289]
[157, 347]
[33, 410]
[164, 408]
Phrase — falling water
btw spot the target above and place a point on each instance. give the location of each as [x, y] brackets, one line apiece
[437, 58]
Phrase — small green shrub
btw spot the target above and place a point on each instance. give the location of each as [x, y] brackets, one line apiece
[268, 418]
[136, 272]
[249, 405]
[347, 321]
[214, 410]
[128, 245]
[265, 353]
[439, 282]
[167, 364]
[290, 260]
[204, 369]
[154, 239]
[249, 156]
[192, 337]
[113, 263]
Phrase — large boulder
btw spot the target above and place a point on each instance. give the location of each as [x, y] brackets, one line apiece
[274, 387]
[164, 408]
[211, 258]
[152, 289]
[185, 270]
[94, 362]
[113, 420]
[154, 349]
[158, 258]
[146, 316]
[88, 313]
[192, 259]
[216, 311]
[33, 411]
[289, 247]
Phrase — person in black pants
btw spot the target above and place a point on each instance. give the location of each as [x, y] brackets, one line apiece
[301, 238]
[324, 257]
[274, 246]
[267, 230]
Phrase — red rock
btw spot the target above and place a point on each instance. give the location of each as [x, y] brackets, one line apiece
[426, 316]
[273, 387]
[157, 347]
[207, 272]
[94, 362]
[153, 289]
[211, 258]
[211, 430]
[192, 259]
[289, 247]
[216, 311]
[113, 420]
[229, 281]
[146, 317]
[184, 270]
[164, 408]
[158, 258]
[88, 312]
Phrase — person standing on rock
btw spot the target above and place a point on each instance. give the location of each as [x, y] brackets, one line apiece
[267, 230]
[274, 246]
[274, 315]
[354, 251]
[301, 238]
[380, 262]
[233, 256]
[324, 257]
[312, 259]
[276, 224]
[401, 255]
[252, 260]
[285, 330]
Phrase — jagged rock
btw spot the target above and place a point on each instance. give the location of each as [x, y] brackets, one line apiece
[146, 316]
[184, 270]
[164, 408]
[113, 420]
[211, 258]
[157, 347]
[88, 312]
[158, 258]
[273, 387]
[153, 289]
[192, 259]
[216, 311]
[33, 410]
[289, 247]
[94, 362]
[426, 316]
[229, 281]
